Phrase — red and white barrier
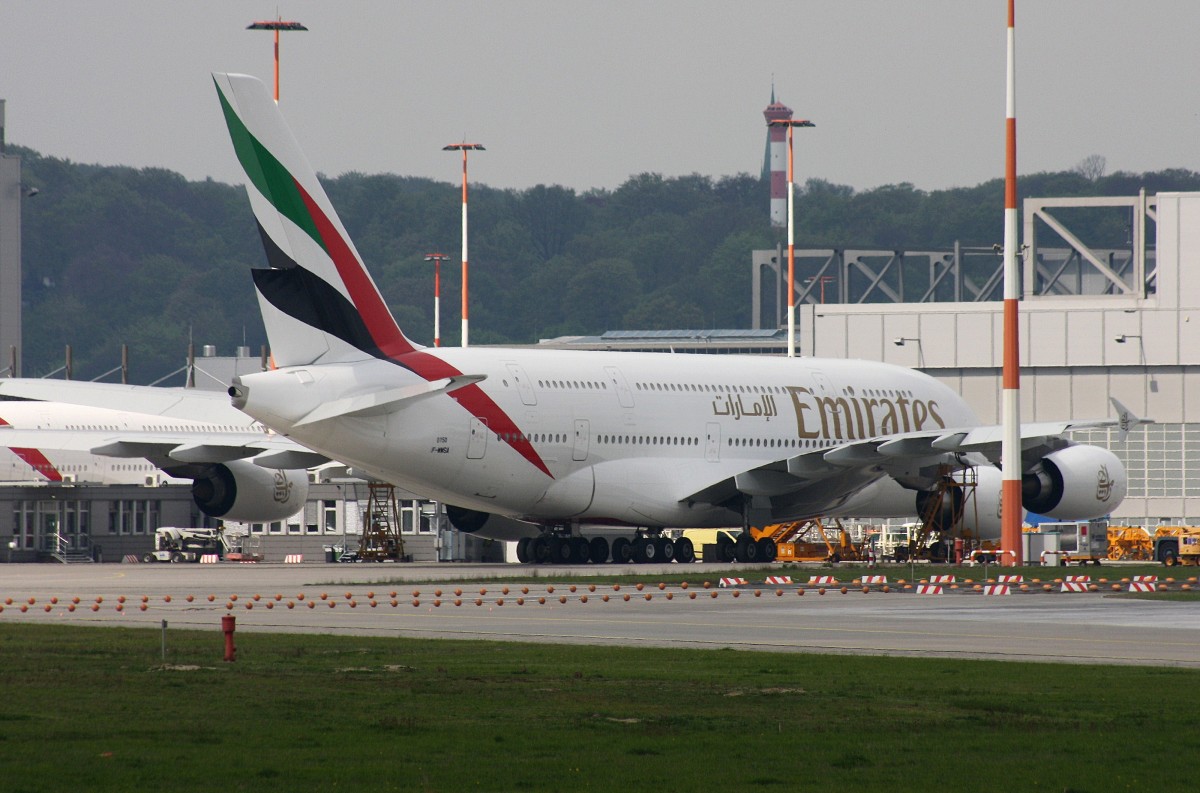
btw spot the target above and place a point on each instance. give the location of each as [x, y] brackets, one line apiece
[778, 579]
[1142, 586]
[1146, 579]
[1078, 579]
[209, 558]
[942, 579]
[293, 558]
[822, 579]
[130, 558]
[728, 582]
[929, 589]
[1074, 586]
[874, 579]
[1011, 579]
[997, 589]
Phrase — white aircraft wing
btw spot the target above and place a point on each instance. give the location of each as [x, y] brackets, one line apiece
[911, 458]
[184, 403]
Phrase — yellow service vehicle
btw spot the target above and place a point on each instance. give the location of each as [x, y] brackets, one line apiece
[1177, 545]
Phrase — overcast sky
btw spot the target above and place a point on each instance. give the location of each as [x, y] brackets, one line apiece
[585, 95]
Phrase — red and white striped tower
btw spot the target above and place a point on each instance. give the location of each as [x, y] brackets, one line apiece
[464, 148]
[1010, 503]
[437, 259]
[775, 162]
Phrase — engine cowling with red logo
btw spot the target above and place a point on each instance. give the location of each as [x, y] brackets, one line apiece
[243, 491]
[1076, 483]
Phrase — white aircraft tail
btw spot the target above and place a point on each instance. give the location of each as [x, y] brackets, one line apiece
[318, 301]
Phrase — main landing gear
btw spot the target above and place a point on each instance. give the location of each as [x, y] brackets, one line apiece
[556, 549]
[745, 548]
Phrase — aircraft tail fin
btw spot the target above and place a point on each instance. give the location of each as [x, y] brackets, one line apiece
[318, 301]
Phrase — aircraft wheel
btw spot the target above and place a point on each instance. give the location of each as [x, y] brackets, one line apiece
[622, 551]
[539, 549]
[645, 551]
[685, 551]
[726, 551]
[560, 550]
[598, 550]
[767, 549]
[523, 550]
[580, 550]
[666, 549]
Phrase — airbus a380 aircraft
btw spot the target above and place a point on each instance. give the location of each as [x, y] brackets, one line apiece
[239, 469]
[560, 446]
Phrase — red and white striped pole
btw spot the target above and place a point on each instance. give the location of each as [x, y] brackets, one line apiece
[791, 124]
[437, 259]
[464, 148]
[1010, 450]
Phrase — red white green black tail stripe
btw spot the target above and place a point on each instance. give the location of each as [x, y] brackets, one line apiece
[318, 301]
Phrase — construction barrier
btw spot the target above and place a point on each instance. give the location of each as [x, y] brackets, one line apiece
[1011, 579]
[1074, 586]
[728, 582]
[942, 579]
[209, 558]
[997, 589]
[1146, 579]
[293, 558]
[930, 589]
[779, 579]
[130, 558]
[1142, 586]
[822, 579]
[874, 579]
[1078, 579]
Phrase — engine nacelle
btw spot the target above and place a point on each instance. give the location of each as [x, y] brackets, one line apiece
[489, 526]
[970, 505]
[243, 491]
[1076, 483]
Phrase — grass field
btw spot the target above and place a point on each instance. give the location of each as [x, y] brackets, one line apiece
[96, 709]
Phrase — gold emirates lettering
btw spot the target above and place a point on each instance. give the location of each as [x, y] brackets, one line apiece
[859, 418]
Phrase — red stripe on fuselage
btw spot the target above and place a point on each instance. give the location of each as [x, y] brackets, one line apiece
[35, 459]
[392, 343]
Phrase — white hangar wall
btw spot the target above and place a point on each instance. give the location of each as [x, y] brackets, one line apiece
[1076, 352]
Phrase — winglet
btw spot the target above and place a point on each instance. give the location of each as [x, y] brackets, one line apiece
[1126, 419]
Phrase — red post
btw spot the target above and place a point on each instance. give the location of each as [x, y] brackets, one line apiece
[228, 625]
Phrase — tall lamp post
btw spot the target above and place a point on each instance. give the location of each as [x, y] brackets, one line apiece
[276, 25]
[437, 259]
[791, 124]
[464, 148]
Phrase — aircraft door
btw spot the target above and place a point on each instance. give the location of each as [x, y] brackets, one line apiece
[624, 395]
[477, 445]
[524, 387]
[712, 442]
[824, 387]
[579, 449]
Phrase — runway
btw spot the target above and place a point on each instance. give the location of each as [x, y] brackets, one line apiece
[1094, 628]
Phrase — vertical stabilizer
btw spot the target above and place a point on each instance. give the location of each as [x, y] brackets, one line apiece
[318, 301]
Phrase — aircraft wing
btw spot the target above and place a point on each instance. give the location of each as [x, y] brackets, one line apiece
[167, 448]
[912, 458]
[185, 403]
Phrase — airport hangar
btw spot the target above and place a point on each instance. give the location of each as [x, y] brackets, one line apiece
[1093, 324]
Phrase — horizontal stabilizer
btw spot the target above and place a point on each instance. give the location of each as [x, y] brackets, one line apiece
[386, 400]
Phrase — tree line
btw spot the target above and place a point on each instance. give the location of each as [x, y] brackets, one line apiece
[146, 258]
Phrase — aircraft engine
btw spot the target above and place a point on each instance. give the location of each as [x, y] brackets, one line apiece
[489, 526]
[243, 491]
[976, 496]
[1076, 483]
